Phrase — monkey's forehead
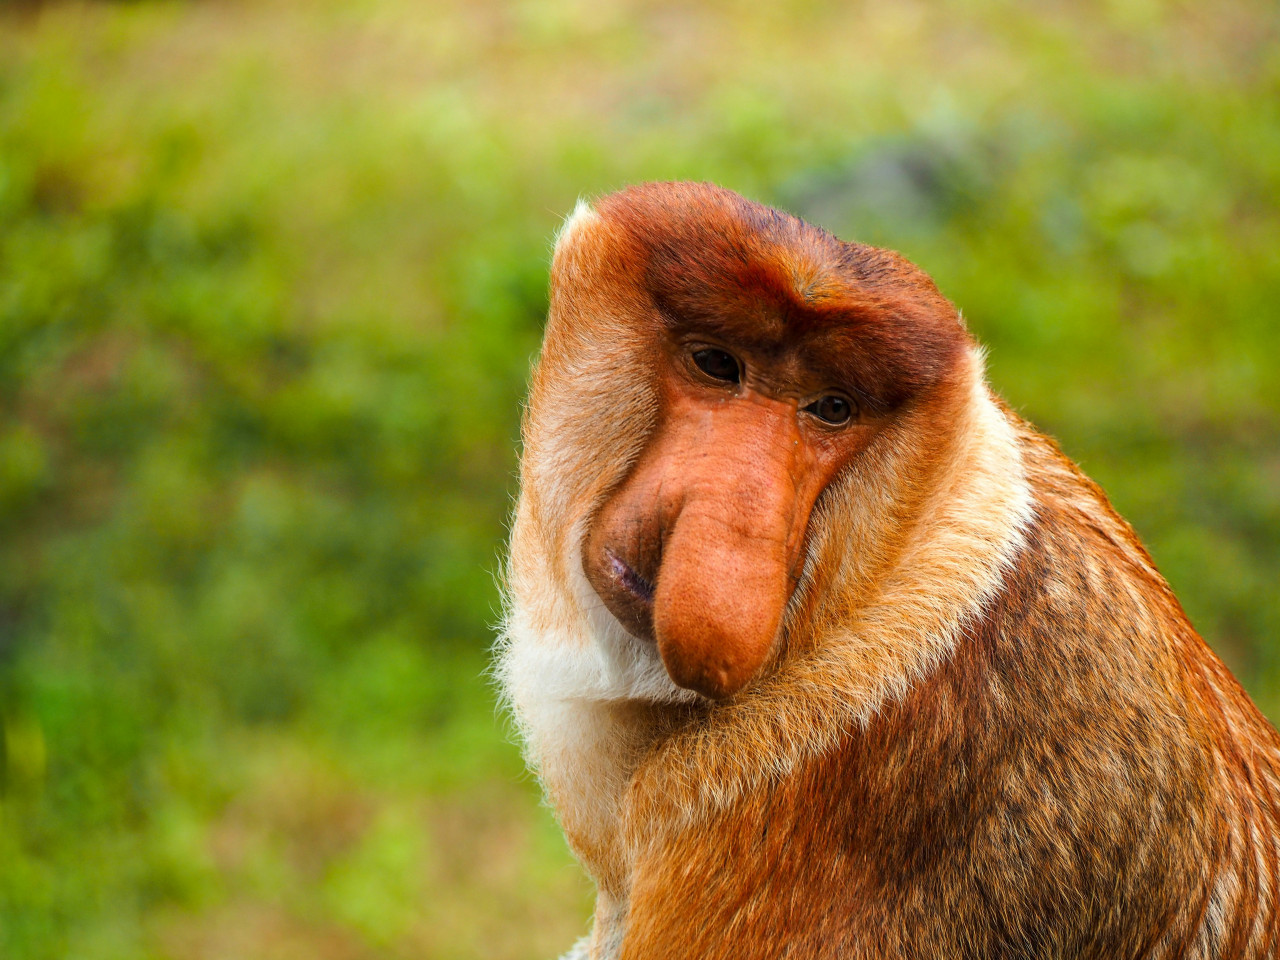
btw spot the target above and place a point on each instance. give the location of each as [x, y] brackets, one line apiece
[712, 233]
[710, 259]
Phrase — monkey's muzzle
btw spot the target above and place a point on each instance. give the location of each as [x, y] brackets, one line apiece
[696, 550]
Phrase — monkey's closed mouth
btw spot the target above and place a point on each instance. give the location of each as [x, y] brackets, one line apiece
[634, 584]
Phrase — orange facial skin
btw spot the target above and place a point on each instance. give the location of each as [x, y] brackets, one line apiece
[701, 547]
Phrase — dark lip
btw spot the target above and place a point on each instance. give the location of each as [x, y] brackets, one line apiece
[632, 582]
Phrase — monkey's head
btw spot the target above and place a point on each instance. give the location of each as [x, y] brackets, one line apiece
[714, 374]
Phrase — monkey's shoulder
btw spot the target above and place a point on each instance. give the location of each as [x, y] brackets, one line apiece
[1033, 790]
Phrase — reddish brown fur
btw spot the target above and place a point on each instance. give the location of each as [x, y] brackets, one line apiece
[1043, 760]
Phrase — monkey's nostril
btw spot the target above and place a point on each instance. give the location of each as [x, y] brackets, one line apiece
[630, 580]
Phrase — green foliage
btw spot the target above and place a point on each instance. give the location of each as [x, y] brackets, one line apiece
[270, 279]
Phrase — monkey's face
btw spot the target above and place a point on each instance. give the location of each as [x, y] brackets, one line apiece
[711, 367]
[699, 550]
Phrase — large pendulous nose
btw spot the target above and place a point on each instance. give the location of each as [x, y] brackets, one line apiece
[724, 579]
[720, 597]
[696, 550]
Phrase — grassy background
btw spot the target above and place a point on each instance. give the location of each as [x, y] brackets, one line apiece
[271, 274]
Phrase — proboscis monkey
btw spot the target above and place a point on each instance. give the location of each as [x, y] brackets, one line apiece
[821, 652]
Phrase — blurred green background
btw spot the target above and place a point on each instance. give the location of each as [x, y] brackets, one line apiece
[271, 274]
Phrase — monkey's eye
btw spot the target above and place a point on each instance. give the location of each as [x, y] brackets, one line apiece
[831, 409]
[718, 364]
